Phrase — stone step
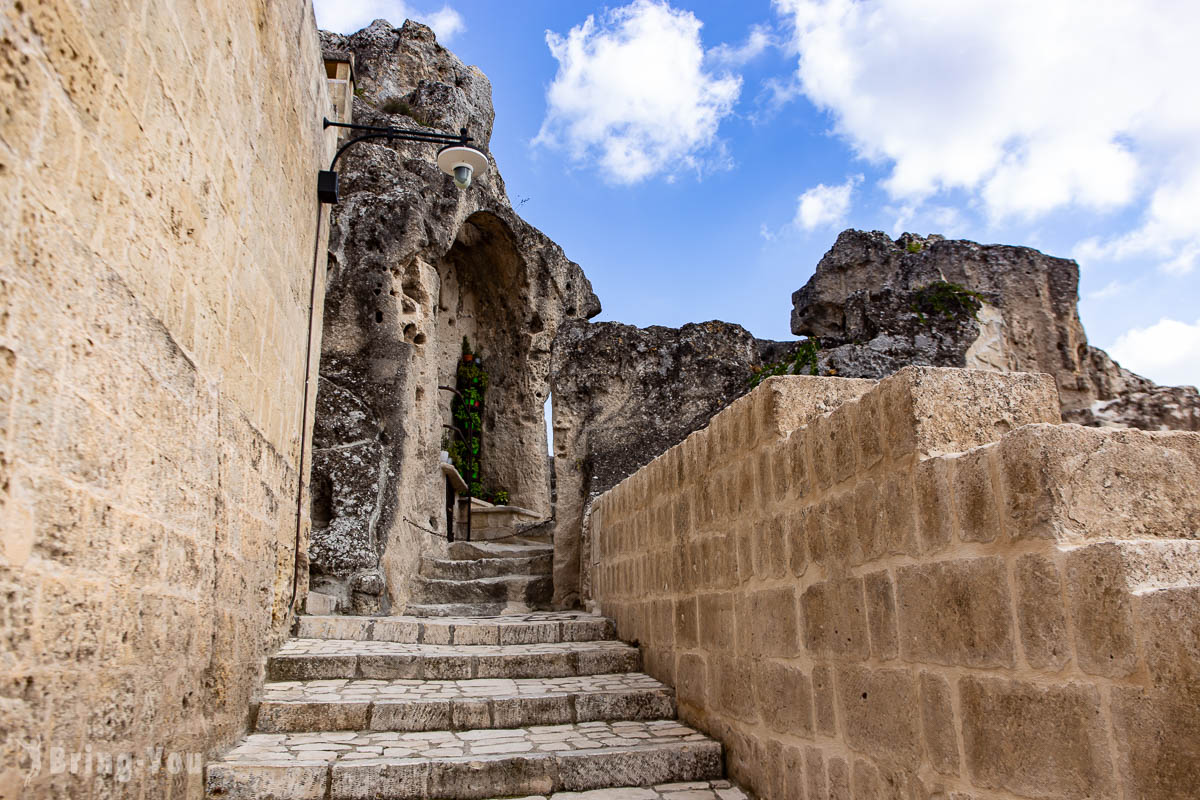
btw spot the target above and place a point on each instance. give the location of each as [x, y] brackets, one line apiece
[507, 548]
[331, 705]
[691, 790]
[329, 659]
[534, 628]
[464, 765]
[500, 522]
[466, 609]
[464, 570]
[529, 590]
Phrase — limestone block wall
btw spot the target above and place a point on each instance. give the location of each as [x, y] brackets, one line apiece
[158, 222]
[930, 591]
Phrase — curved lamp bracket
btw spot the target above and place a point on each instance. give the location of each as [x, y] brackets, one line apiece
[457, 158]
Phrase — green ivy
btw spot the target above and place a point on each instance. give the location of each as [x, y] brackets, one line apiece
[466, 453]
[945, 299]
[497, 498]
[802, 362]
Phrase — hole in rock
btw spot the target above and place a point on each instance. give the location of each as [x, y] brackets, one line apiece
[322, 501]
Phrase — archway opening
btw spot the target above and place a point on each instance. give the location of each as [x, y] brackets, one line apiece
[484, 296]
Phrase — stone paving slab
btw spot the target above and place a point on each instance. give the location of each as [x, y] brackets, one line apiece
[512, 548]
[698, 790]
[317, 659]
[412, 705]
[531, 590]
[459, 765]
[532, 628]
[485, 567]
[433, 610]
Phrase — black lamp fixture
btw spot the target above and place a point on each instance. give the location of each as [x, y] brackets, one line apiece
[457, 158]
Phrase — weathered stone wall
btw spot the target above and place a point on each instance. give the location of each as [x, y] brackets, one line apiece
[416, 264]
[925, 592]
[158, 223]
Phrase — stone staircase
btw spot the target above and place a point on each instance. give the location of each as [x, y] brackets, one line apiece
[485, 578]
[454, 708]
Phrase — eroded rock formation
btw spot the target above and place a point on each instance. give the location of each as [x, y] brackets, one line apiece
[621, 396]
[864, 304]
[414, 266]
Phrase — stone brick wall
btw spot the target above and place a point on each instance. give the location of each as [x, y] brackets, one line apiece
[929, 591]
[158, 223]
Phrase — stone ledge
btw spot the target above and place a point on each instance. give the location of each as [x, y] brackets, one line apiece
[452, 475]
[313, 659]
[533, 628]
[460, 569]
[461, 705]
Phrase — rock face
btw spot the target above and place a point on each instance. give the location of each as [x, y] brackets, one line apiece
[869, 305]
[414, 266]
[621, 396]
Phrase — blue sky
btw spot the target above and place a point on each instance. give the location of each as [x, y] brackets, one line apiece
[698, 158]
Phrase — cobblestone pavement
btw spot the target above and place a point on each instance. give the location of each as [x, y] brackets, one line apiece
[371, 690]
[329, 746]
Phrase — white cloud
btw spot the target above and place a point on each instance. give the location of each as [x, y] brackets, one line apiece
[945, 220]
[1108, 291]
[824, 206]
[349, 16]
[1170, 229]
[1167, 352]
[632, 93]
[1029, 106]
[755, 45]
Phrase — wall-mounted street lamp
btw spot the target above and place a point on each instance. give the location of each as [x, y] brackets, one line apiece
[457, 158]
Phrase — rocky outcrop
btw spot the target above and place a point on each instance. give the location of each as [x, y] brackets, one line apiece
[877, 305]
[414, 266]
[621, 396]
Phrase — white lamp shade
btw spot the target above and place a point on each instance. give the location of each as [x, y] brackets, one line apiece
[448, 158]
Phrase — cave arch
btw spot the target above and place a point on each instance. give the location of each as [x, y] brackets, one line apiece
[485, 295]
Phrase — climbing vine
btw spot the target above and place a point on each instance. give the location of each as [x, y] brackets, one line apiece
[466, 452]
[803, 361]
[945, 299]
